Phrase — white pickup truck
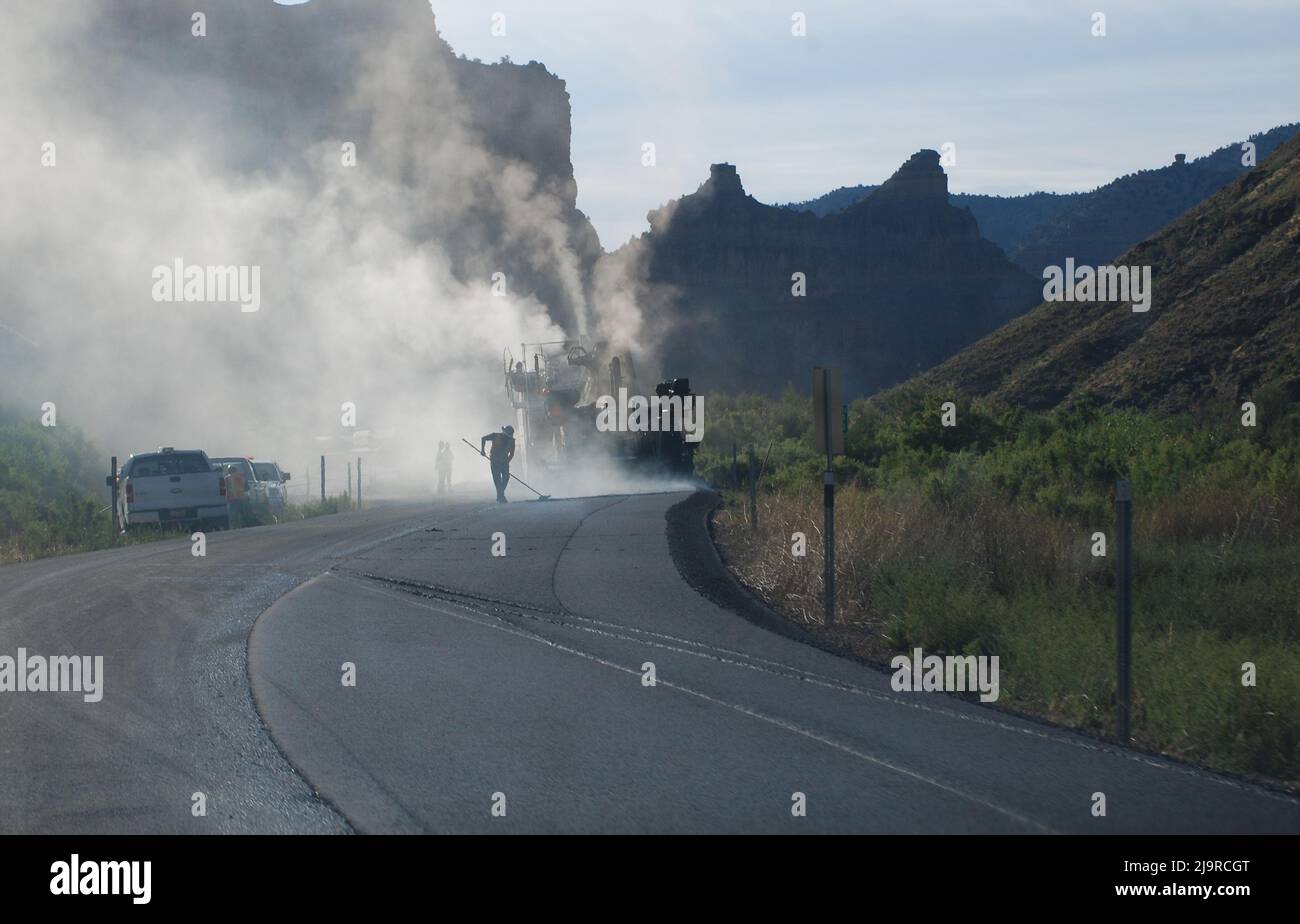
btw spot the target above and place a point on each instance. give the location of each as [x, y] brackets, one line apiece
[171, 486]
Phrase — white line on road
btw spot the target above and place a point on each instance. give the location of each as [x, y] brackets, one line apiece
[744, 710]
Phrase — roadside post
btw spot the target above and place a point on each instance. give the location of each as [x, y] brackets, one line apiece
[322, 479]
[827, 396]
[1123, 605]
[112, 483]
[753, 489]
[348, 490]
[358, 483]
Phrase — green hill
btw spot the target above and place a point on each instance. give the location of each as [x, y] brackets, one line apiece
[1224, 319]
[52, 494]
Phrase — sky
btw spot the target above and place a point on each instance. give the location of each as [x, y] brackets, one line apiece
[1029, 97]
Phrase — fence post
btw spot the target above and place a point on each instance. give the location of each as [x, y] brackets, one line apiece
[827, 393]
[753, 489]
[112, 480]
[828, 578]
[1123, 605]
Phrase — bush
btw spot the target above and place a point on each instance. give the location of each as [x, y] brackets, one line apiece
[978, 541]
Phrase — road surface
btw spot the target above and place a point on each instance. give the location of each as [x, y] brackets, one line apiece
[510, 693]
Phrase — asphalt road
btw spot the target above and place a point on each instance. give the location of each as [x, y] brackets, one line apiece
[509, 694]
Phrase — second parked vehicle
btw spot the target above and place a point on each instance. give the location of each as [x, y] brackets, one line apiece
[273, 479]
[254, 485]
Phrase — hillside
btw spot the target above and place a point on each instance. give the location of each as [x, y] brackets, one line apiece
[51, 488]
[1112, 218]
[1043, 228]
[1005, 220]
[1009, 221]
[895, 283]
[834, 201]
[1224, 320]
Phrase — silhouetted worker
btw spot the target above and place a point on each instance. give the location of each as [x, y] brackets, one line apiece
[503, 450]
[519, 379]
[443, 467]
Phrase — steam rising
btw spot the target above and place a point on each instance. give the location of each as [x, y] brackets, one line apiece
[227, 150]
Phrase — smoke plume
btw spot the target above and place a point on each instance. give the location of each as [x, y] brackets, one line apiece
[131, 142]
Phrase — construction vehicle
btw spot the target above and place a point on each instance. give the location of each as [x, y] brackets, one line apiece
[556, 388]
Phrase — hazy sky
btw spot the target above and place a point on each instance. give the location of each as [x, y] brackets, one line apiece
[1031, 99]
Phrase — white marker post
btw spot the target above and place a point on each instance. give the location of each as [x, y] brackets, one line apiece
[827, 393]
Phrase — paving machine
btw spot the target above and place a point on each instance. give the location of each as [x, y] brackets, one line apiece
[556, 390]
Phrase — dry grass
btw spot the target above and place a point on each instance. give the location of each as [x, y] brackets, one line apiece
[982, 540]
[1215, 586]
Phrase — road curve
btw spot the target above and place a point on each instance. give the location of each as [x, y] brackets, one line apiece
[513, 682]
[518, 683]
[176, 717]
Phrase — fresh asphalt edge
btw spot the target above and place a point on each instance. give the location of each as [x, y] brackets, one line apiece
[690, 542]
[328, 803]
[698, 560]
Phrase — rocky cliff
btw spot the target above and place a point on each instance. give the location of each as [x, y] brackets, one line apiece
[892, 285]
[1042, 228]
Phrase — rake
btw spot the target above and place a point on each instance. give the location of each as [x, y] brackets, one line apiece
[540, 495]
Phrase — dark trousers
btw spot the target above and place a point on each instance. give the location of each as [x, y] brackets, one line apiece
[500, 476]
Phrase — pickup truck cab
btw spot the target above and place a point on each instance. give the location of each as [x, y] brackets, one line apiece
[272, 478]
[171, 486]
[243, 492]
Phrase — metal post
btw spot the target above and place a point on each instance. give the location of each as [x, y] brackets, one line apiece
[827, 391]
[322, 479]
[358, 484]
[348, 490]
[828, 501]
[753, 489]
[1123, 604]
[112, 474]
